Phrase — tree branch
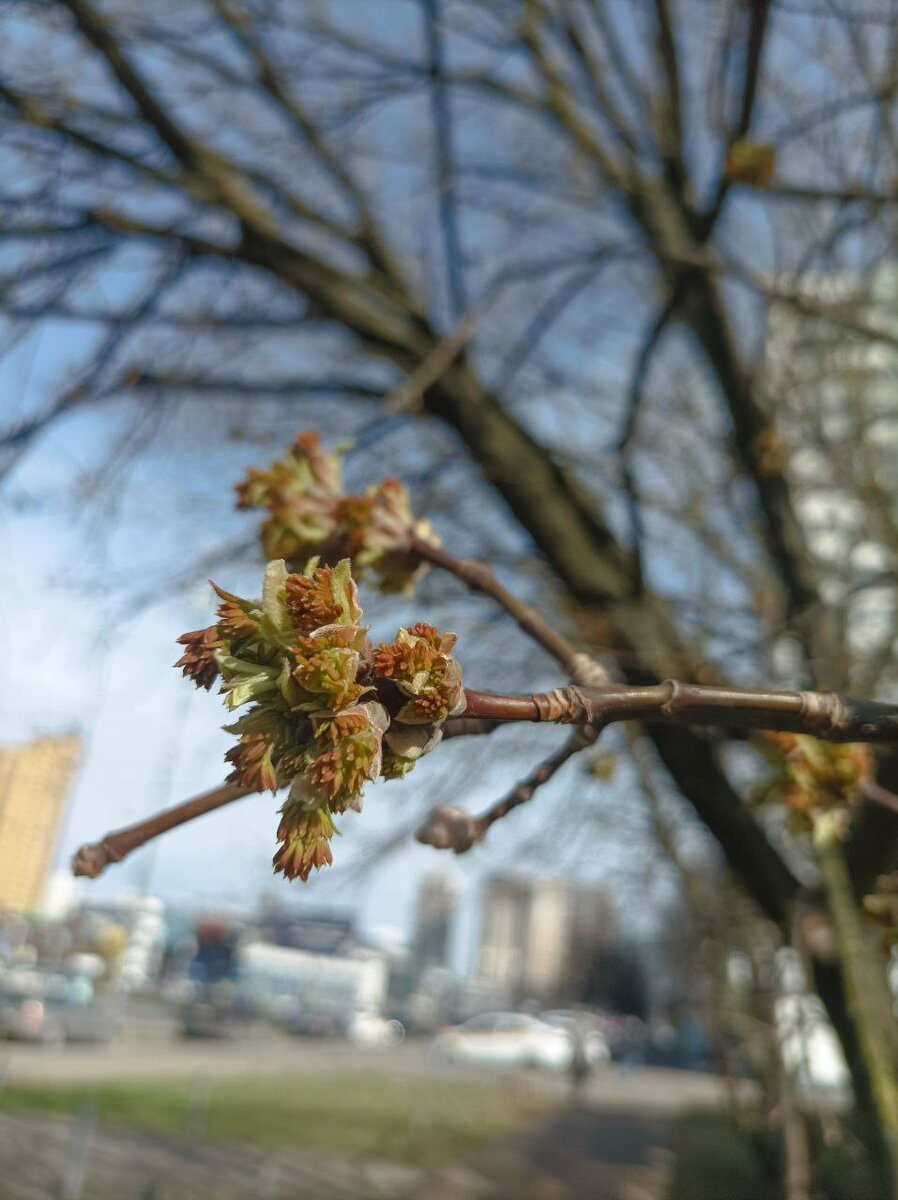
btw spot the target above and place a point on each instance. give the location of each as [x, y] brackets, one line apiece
[670, 119]
[441, 112]
[96, 31]
[759, 12]
[829, 717]
[479, 578]
[92, 858]
[824, 715]
[410, 392]
[651, 339]
[454, 829]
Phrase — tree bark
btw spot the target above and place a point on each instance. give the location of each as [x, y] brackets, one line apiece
[869, 999]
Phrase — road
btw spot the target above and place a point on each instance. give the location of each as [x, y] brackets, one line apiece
[158, 1054]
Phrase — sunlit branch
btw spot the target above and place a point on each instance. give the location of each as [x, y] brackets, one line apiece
[432, 367]
[825, 715]
[93, 858]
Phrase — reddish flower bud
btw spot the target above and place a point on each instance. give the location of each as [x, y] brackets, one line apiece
[234, 617]
[251, 759]
[198, 660]
[305, 842]
[420, 663]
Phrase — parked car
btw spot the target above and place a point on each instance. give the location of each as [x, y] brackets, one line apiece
[315, 1025]
[580, 1025]
[370, 1029]
[36, 1006]
[505, 1039]
[203, 1019]
[362, 1028]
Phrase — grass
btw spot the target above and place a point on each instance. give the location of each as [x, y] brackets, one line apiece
[403, 1120]
[713, 1158]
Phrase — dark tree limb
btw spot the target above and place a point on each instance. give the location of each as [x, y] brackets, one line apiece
[651, 339]
[441, 111]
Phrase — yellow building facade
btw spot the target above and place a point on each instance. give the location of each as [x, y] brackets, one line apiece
[34, 786]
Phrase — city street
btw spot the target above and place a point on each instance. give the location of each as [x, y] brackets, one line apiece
[159, 1054]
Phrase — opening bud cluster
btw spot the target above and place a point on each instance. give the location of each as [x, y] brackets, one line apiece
[326, 712]
[309, 513]
[811, 777]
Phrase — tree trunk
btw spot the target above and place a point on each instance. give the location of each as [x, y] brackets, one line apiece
[867, 992]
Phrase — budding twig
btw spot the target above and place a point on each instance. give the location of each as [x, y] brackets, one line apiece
[828, 716]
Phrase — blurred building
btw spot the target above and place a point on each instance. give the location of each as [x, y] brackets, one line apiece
[589, 935]
[314, 931]
[835, 433]
[284, 983]
[34, 786]
[304, 969]
[535, 935]
[146, 933]
[434, 918]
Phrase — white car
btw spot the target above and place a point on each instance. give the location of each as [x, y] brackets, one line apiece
[595, 1044]
[369, 1029]
[505, 1039]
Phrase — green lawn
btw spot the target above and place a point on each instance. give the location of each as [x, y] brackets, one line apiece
[404, 1120]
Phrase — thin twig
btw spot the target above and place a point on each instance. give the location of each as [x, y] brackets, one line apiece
[584, 737]
[408, 395]
[479, 578]
[93, 858]
[876, 793]
[450, 828]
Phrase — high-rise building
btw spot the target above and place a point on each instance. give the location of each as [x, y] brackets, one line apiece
[34, 785]
[534, 934]
[832, 395]
[433, 922]
[590, 930]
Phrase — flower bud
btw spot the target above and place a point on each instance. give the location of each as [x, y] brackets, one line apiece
[198, 662]
[421, 665]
